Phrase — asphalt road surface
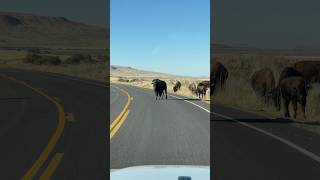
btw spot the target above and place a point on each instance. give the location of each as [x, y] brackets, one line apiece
[248, 146]
[158, 132]
[52, 127]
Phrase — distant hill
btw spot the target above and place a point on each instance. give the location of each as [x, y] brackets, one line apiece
[220, 46]
[129, 72]
[27, 30]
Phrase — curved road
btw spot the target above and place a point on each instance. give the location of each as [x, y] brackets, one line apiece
[249, 146]
[162, 132]
[52, 126]
[148, 132]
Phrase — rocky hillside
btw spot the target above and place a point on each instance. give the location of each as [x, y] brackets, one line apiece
[27, 30]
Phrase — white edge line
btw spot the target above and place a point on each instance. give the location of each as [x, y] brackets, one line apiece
[190, 103]
[289, 143]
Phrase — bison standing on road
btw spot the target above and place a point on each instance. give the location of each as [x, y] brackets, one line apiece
[310, 70]
[160, 88]
[294, 89]
[219, 76]
[177, 86]
[263, 84]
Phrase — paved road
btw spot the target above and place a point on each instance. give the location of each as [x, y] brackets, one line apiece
[169, 131]
[162, 132]
[261, 148]
[31, 122]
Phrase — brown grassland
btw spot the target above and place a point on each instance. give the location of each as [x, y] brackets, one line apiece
[97, 70]
[241, 65]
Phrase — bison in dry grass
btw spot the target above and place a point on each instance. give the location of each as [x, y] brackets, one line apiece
[263, 84]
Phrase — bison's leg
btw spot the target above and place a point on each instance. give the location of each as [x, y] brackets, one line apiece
[166, 94]
[303, 108]
[222, 83]
[286, 106]
[304, 111]
[295, 107]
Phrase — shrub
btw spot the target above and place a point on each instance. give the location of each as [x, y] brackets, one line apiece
[78, 58]
[39, 60]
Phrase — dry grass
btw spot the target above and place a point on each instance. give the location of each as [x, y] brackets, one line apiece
[240, 94]
[95, 71]
[9, 55]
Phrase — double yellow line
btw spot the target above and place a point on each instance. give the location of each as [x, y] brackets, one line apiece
[31, 173]
[116, 124]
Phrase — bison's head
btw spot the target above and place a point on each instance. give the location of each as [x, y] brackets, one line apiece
[175, 89]
[155, 80]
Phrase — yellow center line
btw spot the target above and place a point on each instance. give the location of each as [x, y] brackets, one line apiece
[116, 124]
[54, 138]
[54, 163]
[116, 128]
[124, 109]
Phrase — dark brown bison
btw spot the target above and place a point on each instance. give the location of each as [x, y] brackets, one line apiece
[285, 73]
[193, 88]
[310, 70]
[263, 84]
[288, 72]
[218, 76]
[294, 89]
[160, 88]
[201, 90]
[177, 86]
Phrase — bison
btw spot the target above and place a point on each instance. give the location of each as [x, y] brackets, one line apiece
[177, 86]
[286, 73]
[193, 88]
[310, 70]
[294, 89]
[160, 88]
[263, 84]
[201, 90]
[219, 76]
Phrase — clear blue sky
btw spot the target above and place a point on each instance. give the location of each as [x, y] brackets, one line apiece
[171, 36]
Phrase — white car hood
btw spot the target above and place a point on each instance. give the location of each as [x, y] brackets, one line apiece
[160, 172]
